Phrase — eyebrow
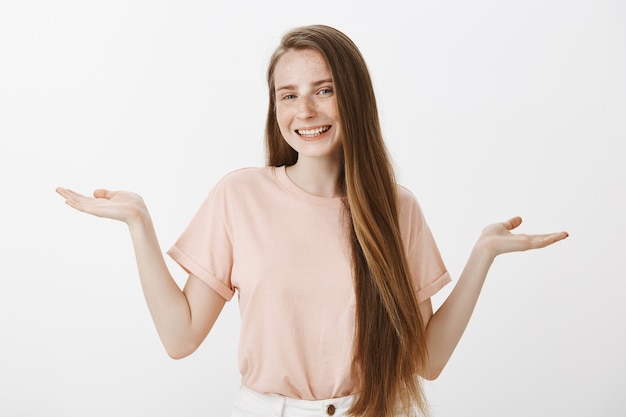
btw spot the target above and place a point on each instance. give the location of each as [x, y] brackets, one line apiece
[314, 84]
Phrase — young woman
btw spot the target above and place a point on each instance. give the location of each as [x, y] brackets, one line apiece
[333, 262]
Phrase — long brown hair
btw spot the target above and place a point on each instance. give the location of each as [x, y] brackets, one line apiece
[389, 342]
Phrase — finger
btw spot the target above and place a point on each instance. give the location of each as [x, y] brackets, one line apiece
[64, 192]
[78, 203]
[541, 241]
[512, 223]
[69, 194]
[61, 191]
[76, 200]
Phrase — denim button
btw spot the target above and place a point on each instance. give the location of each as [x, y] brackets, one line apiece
[330, 410]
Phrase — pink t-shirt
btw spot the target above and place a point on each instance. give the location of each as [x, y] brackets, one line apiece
[286, 253]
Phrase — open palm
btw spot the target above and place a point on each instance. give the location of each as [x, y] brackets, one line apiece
[119, 205]
[497, 238]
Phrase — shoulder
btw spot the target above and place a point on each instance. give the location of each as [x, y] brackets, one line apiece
[409, 208]
[244, 184]
[245, 178]
[246, 175]
[406, 198]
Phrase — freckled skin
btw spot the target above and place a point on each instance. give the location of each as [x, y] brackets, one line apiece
[305, 100]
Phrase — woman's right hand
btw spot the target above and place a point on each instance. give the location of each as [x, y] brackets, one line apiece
[118, 205]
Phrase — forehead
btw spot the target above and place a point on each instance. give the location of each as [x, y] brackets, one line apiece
[301, 66]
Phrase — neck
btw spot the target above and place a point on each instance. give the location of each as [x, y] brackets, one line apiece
[320, 177]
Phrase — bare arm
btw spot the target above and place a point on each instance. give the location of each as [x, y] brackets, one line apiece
[445, 327]
[182, 318]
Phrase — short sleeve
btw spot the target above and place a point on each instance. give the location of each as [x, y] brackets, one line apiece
[425, 262]
[205, 247]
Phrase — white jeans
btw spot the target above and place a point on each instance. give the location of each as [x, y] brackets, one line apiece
[250, 403]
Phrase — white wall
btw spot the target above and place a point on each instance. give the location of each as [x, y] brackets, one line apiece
[491, 109]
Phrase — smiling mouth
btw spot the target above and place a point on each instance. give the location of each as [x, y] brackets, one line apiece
[312, 133]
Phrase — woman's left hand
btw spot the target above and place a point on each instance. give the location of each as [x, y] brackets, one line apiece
[498, 239]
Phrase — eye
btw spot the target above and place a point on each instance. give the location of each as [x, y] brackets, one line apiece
[326, 91]
[288, 97]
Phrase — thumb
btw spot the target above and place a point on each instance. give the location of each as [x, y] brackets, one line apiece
[513, 223]
[102, 193]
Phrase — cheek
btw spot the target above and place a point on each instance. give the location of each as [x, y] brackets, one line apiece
[331, 109]
[336, 111]
[284, 119]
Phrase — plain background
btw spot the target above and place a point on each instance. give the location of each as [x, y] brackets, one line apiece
[491, 109]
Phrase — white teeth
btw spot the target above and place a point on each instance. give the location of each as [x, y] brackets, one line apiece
[310, 133]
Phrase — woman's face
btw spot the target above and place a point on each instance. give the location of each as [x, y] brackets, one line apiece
[306, 106]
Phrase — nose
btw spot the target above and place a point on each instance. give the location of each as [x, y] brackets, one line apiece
[306, 108]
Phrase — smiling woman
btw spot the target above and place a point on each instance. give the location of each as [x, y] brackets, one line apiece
[325, 226]
[308, 118]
